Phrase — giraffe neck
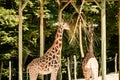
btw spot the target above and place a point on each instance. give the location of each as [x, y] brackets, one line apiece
[90, 50]
[59, 33]
[57, 45]
[58, 37]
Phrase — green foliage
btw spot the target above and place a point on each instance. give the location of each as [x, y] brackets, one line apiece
[31, 20]
[91, 8]
[8, 17]
[8, 30]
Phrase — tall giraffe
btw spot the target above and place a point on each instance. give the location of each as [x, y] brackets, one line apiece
[50, 61]
[90, 64]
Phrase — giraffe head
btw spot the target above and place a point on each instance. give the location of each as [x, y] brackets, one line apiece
[64, 25]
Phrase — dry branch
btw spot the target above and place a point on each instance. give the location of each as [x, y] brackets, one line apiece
[24, 5]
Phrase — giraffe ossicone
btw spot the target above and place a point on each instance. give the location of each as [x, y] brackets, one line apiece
[50, 61]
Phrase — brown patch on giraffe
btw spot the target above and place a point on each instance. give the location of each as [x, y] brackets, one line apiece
[57, 42]
[53, 51]
[60, 35]
[57, 58]
[43, 60]
[50, 58]
[60, 39]
[53, 56]
[50, 54]
[47, 58]
[45, 66]
[49, 63]
[56, 50]
[55, 62]
[60, 45]
[56, 47]
[58, 53]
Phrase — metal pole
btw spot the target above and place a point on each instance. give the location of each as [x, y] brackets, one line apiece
[103, 36]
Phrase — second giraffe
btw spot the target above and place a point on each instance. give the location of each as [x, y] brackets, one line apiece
[90, 64]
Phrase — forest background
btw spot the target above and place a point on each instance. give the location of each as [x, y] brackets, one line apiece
[31, 15]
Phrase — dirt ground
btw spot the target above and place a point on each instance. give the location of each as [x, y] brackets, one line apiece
[111, 76]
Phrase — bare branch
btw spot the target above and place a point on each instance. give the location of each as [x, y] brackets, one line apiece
[79, 12]
[24, 5]
[58, 1]
[97, 4]
[75, 7]
[66, 5]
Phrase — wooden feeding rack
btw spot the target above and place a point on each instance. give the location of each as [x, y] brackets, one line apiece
[68, 0]
[85, 0]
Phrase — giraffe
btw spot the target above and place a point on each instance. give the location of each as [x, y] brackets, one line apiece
[49, 63]
[89, 63]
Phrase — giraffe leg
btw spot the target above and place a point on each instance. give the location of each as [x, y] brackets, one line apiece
[95, 74]
[33, 75]
[94, 69]
[87, 77]
[87, 74]
[54, 75]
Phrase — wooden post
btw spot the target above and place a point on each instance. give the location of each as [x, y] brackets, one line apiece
[1, 66]
[9, 70]
[103, 36]
[119, 36]
[20, 40]
[41, 29]
[75, 66]
[116, 63]
[69, 75]
[80, 40]
[41, 33]
[59, 20]
[21, 7]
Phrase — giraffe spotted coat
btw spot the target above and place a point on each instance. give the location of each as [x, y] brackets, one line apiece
[90, 64]
[49, 63]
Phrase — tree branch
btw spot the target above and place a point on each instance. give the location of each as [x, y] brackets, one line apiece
[24, 5]
[65, 5]
[97, 4]
[58, 1]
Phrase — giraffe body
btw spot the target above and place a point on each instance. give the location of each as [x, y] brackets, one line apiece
[90, 63]
[50, 61]
[90, 69]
